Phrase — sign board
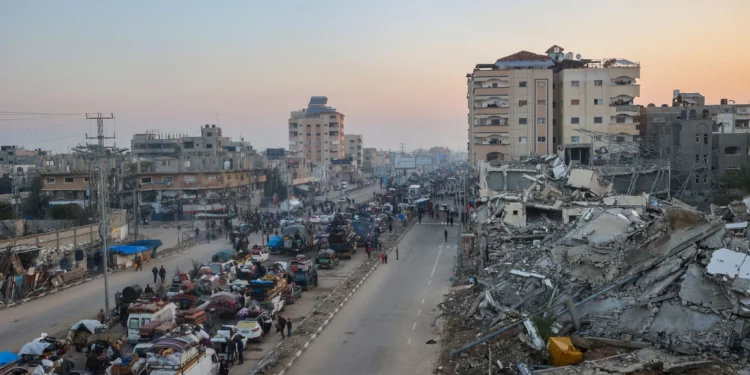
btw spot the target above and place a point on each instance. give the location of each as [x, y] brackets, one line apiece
[405, 163]
[423, 161]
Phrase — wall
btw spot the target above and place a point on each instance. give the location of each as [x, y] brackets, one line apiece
[508, 180]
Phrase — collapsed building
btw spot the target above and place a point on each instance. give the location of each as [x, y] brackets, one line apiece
[634, 282]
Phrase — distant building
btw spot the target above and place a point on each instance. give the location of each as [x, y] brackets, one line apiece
[354, 148]
[317, 132]
[275, 153]
[370, 159]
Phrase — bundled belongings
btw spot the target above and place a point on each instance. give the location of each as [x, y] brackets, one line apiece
[80, 332]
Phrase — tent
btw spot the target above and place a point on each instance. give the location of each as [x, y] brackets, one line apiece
[89, 325]
[7, 357]
[125, 254]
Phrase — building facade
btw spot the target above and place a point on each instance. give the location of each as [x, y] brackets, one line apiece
[355, 148]
[317, 132]
[593, 98]
[510, 108]
[370, 156]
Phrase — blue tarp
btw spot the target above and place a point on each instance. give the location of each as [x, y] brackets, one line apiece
[274, 242]
[128, 250]
[147, 243]
[7, 357]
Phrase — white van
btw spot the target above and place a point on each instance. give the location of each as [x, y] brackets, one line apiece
[344, 185]
[141, 314]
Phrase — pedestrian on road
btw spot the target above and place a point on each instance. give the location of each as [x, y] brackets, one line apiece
[280, 326]
[92, 363]
[155, 271]
[240, 350]
[289, 328]
[138, 263]
[396, 252]
[101, 316]
[446, 235]
[382, 258]
[231, 348]
[369, 252]
[197, 232]
[224, 367]
[162, 274]
[385, 257]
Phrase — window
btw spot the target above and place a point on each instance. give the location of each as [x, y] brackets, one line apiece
[522, 103]
[522, 84]
[554, 105]
[209, 134]
[208, 145]
[697, 158]
[332, 117]
[522, 140]
[167, 179]
[732, 151]
[575, 120]
[308, 125]
[494, 84]
[50, 163]
[49, 180]
[317, 125]
[697, 138]
[212, 178]
[317, 143]
[309, 134]
[145, 180]
[190, 179]
[522, 121]
[495, 121]
[598, 101]
[541, 120]
[69, 180]
[658, 120]
[597, 82]
[598, 138]
[575, 139]
[495, 141]
[697, 179]
[229, 177]
[705, 159]
[541, 102]
[318, 134]
[541, 139]
[575, 83]
[620, 119]
[598, 120]
[541, 83]
[705, 139]
[574, 101]
[85, 179]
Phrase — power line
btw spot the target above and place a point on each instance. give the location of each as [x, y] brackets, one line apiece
[27, 118]
[11, 113]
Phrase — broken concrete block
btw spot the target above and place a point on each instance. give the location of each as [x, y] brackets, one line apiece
[696, 289]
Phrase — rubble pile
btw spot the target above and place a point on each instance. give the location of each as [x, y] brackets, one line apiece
[643, 277]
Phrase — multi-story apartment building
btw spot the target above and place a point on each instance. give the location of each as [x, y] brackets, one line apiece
[510, 107]
[71, 177]
[154, 144]
[317, 132]
[593, 98]
[370, 159]
[354, 148]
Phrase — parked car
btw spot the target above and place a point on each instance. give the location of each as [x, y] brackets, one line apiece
[342, 200]
[259, 254]
[292, 294]
[327, 259]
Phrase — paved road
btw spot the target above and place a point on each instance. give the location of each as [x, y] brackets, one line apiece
[57, 312]
[385, 327]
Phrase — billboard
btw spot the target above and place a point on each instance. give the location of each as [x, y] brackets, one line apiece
[405, 163]
[423, 161]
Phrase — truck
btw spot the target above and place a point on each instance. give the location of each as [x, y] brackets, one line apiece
[363, 229]
[305, 274]
[269, 291]
[297, 238]
[342, 241]
[141, 313]
[174, 355]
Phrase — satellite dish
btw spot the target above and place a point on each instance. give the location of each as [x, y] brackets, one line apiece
[578, 56]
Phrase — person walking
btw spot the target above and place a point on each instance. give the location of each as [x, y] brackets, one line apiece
[240, 350]
[155, 271]
[197, 234]
[101, 316]
[231, 349]
[385, 257]
[281, 325]
[138, 263]
[396, 252]
[289, 328]
[382, 258]
[446, 235]
[162, 274]
[92, 363]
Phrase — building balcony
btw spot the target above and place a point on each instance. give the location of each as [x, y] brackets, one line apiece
[632, 91]
[490, 73]
[629, 128]
[627, 109]
[483, 129]
[492, 111]
[491, 91]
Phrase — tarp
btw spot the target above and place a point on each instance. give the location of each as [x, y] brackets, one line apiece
[128, 250]
[275, 241]
[7, 357]
[89, 324]
[147, 243]
[34, 348]
[422, 200]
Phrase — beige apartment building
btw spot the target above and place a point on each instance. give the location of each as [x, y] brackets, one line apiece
[510, 108]
[594, 104]
[316, 133]
[354, 148]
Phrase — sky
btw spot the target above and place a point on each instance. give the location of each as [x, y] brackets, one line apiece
[396, 69]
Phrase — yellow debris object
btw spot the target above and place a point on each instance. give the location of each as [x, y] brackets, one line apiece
[562, 352]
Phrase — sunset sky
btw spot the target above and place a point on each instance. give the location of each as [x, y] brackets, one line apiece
[396, 69]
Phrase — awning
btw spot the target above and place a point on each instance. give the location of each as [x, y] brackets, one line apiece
[147, 243]
[128, 250]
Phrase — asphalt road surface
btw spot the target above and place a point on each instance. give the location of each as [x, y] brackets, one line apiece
[385, 326]
[57, 312]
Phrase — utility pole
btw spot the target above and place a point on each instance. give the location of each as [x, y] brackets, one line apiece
[101, 154]
[136, 211]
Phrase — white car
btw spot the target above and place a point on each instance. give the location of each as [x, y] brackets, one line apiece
[344, 185]
[260, 255]
[342, 200]
[250, 330]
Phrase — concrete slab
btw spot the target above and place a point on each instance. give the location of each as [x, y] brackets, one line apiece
[698, 290]
[677, 319]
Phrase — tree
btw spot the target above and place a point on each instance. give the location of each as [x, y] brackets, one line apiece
[6, 211]
[738, 180]
[275, 185]
[37, 200]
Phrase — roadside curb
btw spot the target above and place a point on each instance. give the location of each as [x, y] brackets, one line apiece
[166, 253]
[317, 332]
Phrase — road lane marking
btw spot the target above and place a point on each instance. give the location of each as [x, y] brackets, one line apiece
[414, 326]
[436, 262]
[429, 282]
[419, 312]
[408, 341]
[423, 301]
